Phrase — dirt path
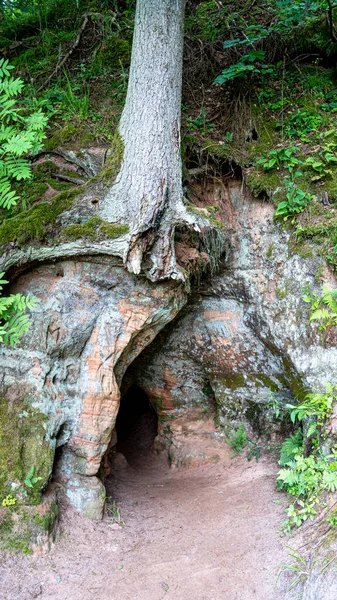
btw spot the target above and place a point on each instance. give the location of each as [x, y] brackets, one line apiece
[207, 533]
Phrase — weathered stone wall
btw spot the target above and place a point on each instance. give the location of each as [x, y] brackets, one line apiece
[245, 334]
[93, 319]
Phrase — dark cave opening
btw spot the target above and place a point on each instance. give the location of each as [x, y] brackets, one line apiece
[136, 425]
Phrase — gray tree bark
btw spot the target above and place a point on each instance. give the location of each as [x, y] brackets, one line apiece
[147, 193]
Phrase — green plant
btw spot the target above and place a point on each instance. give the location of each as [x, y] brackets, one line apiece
[275, 408]
[30, 480]
[301, 123]
[292, 446]
[296, 201]
[299, 568]
[280, 157]
[75, 106]
[332, 519]
[9, 500]
[13, 320]
[115, 513]
[323, 308]
[200, 123]
[20, 134]
[306, 475]
[306, 478]
[237, 439]
[253, 62]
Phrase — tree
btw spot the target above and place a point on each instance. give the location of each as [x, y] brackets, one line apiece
[147, 193]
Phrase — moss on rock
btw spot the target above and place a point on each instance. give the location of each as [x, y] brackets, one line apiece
[114, 230]
[23, 449]
[79, 230]
[24, 529]
[60, 137]
[94, 229]
[114, 160]
[34, 224]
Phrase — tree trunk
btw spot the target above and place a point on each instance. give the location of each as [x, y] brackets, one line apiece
[147, 193]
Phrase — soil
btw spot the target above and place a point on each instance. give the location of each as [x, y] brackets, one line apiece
[203, 533]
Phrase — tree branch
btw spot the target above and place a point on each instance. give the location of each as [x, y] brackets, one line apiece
[69, 53]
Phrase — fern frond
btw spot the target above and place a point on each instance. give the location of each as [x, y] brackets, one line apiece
[291, 446]
[331, 302]
[19, 144]
[5, 67]
[7, 195]
[11, 87]
[320, 314]
[17, 168]
[36, 121]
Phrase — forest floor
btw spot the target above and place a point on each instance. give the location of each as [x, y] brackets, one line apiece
[204, 533]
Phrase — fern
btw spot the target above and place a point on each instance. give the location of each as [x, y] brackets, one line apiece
[324, 308]
[14, 321]
[237, 439]
[20, 135]
[291, 446]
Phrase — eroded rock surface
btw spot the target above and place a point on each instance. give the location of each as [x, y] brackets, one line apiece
[244, 335]
[92, 320]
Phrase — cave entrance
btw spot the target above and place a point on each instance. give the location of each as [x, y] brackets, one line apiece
[136, 426]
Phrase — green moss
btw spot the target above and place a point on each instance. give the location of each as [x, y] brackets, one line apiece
[23, 446]
[88, 229]
[44, 169]
[206, 214]
[234, 381]
[23, 528]
[60, 185]
[301, 248]
[319, 273]
[94, 229]
[281, 294]
[224, 151]
[66, 134]
[113, 230]
[115, 51]
[267, 183]
[316, 229]
[114, 161]
[269, 253]
[34, 224]
[31, 191]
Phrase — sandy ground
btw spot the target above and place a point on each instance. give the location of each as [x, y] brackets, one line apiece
[206, 533]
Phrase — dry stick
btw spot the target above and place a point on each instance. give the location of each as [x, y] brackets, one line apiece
[74, 180]
[65, 58]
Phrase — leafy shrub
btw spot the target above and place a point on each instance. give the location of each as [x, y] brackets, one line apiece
[306, 477]
[20, 134]
[251, 62]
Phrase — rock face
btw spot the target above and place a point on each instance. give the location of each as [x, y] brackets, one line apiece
[242, 339]
[92, 321]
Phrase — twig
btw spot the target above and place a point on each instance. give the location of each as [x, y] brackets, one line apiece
[74, 180]
[65, 58]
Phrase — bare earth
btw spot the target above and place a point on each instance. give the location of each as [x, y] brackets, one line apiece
[205, 533]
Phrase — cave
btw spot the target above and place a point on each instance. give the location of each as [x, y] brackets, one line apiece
[136, 426]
